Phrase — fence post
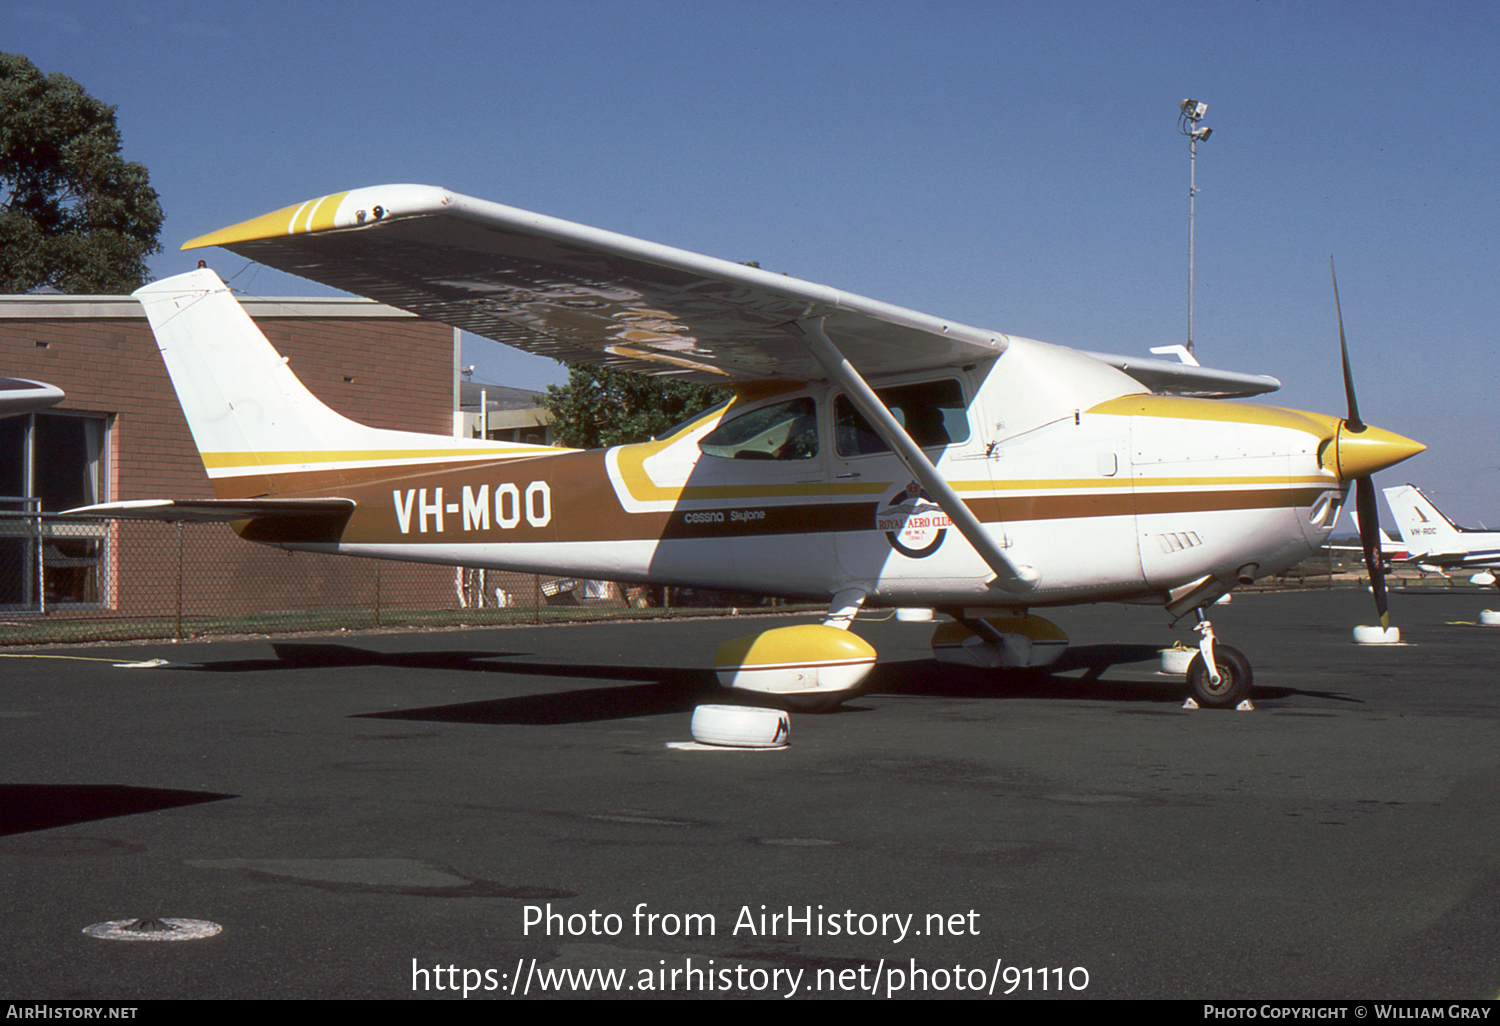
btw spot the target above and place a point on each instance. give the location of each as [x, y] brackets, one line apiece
[41, 565]
[178, 634]
[377, 591]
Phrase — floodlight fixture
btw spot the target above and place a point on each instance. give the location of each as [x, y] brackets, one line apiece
[1192, 109]
[1200, 134]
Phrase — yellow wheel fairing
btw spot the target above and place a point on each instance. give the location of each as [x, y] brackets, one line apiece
[1034, 628]
[1027, 641]
[792, 660]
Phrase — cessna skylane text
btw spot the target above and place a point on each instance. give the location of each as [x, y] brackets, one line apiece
[872, 454]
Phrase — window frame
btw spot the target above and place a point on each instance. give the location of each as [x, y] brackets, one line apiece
[37, 530]
[881, 391]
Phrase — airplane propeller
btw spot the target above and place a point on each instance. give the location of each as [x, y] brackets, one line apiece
[1364, 486]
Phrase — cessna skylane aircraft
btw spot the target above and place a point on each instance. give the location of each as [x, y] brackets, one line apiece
[1436, 543]
[872, 454]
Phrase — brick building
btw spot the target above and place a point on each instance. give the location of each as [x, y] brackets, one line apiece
[120, 434]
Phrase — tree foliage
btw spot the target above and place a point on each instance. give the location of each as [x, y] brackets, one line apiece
[601, 406]
[73, 214]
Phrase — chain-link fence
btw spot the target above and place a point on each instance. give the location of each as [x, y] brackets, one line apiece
[74, 580]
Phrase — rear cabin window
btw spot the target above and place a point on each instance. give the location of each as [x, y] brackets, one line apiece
[932, 412]
[784, 431]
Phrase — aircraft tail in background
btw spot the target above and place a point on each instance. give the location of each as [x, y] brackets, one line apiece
[1422, 525]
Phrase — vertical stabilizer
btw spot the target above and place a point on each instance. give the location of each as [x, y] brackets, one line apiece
[258, 430]
[238, 394]
[1423, 527]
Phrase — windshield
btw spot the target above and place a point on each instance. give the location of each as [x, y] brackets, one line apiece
[783, 431]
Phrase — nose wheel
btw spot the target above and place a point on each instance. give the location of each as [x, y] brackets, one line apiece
[1228, 683]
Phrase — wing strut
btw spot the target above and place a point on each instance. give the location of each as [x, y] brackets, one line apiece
[1009, 576]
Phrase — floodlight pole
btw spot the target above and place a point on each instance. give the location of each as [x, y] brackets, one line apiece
[1192, 228]
[1189, 113]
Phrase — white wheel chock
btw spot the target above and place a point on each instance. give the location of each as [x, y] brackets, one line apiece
[1377, 635]
[741, 726]
[1175, 660]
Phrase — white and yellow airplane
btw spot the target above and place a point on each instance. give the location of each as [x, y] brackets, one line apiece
[1437, 544]
[872, 454]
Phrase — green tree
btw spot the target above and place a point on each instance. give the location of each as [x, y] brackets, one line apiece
[73, 214]
[601, 406]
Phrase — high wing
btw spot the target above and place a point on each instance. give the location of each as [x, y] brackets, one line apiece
[584, 295]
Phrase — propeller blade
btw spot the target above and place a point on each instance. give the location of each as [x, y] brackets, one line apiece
[1369, 537]
[1364, 487]
[1355, 424]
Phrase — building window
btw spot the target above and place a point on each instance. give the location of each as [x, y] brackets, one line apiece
[50, 462]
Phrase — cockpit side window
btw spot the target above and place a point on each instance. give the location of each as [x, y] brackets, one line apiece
[932, 412]
[783, 431]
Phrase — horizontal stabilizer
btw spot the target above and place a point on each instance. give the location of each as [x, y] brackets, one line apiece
[217, 510]
[20, 395]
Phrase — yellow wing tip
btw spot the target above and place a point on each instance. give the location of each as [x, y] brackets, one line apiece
[312, 216]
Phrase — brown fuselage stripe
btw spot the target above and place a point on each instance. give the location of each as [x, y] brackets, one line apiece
[583, 507]
[337, 480]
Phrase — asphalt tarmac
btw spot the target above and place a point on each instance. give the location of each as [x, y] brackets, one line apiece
[486, 814]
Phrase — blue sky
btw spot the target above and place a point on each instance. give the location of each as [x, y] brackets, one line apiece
[1014, 166]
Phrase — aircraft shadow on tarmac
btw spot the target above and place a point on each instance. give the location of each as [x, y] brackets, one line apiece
[676, 694]
[303, 656]
[677, 690]
[27, 807]
[924, 677]
[662, 690]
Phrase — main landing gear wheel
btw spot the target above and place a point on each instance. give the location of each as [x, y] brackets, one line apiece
[1235, 679]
